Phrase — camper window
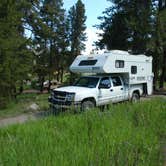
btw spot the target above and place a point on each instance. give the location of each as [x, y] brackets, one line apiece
[87, 62]
[133, 69]
[119, 64]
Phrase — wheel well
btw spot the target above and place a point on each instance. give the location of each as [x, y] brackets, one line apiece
[136, 91]
[89, 99]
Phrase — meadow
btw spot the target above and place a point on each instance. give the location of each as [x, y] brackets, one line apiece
[124, 135]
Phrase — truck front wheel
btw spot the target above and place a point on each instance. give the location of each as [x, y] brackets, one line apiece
[135, 97]
[87, 105]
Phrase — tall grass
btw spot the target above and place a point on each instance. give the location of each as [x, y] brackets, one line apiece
[125, 135]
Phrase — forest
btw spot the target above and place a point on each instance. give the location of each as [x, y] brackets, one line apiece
[39, 39]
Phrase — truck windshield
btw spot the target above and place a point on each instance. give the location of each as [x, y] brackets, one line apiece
[89, 82]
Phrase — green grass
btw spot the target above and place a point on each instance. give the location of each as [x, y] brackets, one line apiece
[23, 101]
[125, 135]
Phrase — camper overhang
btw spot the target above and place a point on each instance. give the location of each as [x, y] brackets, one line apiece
[111, 62]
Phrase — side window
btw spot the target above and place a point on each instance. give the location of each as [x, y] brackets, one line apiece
[133, 69]
[119, 64]
[88, 63]
[116, 81]
[105, 83]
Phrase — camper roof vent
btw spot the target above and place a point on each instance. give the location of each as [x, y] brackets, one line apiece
[119, 52]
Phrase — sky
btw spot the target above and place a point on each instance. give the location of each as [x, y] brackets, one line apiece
[94, 8]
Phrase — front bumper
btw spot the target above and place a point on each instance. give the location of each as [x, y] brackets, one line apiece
[57, 104]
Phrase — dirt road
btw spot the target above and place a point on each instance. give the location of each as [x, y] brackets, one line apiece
[18, 119]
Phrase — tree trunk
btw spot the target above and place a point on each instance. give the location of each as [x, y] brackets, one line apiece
[155, 70]
[157, 56]
[49, 82]
[163, 72]
[156, 67]
[41, 84]
[62, 72]
[21, 87]
[58, 74]
[14, 91]
[71, 78]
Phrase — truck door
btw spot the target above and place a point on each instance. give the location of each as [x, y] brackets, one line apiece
[104, 92]
[118, 90]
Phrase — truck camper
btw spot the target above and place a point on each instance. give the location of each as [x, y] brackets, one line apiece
[109, 77]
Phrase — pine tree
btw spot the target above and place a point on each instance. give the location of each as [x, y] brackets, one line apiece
[14, 55]
[77, 20]
[140, 25]
[50, 36]
[77, 35]
[127, 25]
[113, 22]
[162, 30]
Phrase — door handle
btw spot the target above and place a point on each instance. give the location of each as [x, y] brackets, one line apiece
[121, 89]
[111, 90]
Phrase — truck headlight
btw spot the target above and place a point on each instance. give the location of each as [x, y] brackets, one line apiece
[70, 96]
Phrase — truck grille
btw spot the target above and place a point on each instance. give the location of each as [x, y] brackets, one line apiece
[61, 96]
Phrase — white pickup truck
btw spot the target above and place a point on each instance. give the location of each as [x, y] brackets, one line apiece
[91, 91]
[120, 76]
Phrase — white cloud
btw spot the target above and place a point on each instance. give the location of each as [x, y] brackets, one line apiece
[92, 35]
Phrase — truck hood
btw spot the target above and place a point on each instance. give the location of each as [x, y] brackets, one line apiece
[74, 89]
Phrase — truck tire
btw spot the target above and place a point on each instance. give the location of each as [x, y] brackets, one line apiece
[135, 97]
[87, 105]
